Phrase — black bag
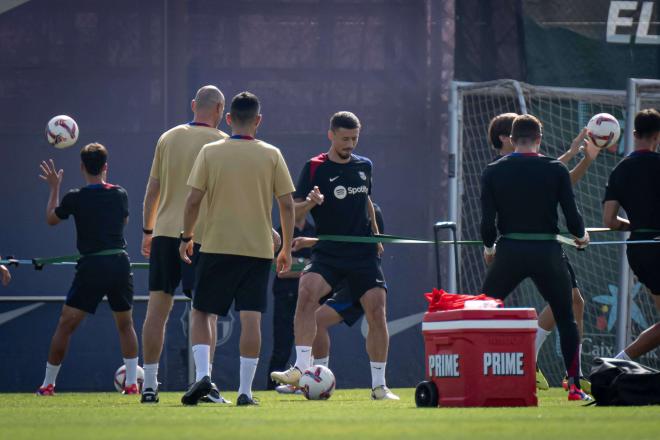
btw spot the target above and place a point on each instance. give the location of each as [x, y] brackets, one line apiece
[620, 382]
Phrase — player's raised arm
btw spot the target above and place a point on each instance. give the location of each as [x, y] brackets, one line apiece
[54, 179]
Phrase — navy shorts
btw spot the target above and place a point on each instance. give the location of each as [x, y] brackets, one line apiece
[222, 279]
[359, 274]
[167, 269]
[643, 260]
[571, 272]
[102, 275]
[342, 302]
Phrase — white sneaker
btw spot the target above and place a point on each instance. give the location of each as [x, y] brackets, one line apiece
[383, 393]
[289, 377]
[288, 389]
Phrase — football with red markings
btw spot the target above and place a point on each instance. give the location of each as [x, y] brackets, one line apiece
[62, 131]
[604, 130]
[317, 383]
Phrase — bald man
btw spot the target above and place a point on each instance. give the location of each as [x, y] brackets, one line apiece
[164, 201]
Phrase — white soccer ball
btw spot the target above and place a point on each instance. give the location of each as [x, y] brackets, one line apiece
[317, 383]
[604, 130]
[120, 378]
[62, 131]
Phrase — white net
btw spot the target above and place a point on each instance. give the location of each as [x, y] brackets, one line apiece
[563, 113]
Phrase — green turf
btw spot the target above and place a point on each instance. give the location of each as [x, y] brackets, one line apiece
[349, 414]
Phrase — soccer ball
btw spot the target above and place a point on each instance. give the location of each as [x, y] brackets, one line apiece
[317, 383]
[604, 130]
[120, 378]
[62, 131]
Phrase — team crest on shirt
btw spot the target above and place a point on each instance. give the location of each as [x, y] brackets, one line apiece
[340, 192]
[363, 175]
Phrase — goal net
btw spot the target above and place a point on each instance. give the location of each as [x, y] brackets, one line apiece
[563, 112]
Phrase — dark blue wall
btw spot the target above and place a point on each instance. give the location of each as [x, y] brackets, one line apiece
[126, 71]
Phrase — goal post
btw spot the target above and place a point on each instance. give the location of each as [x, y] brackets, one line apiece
[602, 271]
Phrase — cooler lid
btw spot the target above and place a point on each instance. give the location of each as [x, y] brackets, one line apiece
[482, 314]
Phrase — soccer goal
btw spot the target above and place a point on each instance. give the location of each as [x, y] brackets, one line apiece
[602, 270]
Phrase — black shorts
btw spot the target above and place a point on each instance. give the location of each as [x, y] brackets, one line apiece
[167, 269]
[571, 272]
[342, 303]
[643, 260]
[98, 276]
[360, 274]
[221, 279]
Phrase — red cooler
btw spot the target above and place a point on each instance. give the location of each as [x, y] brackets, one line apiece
[479, 358]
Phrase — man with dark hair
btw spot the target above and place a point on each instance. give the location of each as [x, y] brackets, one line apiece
[239, 176]
[634, 185]
[499, 135]
[522, 191]
[164, 201]
[336, 187]
[100, 211]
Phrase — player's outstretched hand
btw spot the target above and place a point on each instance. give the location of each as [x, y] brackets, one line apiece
[489, 257]
[381, 249]
[146, 245]
[283, 261]
[591, 150]
[576, 145]
[315, 196]
[6, 276]
[50, 174]
[582, 242]
[300, 243]
[185, 251]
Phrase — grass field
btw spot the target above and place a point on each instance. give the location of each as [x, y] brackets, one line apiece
[349, 414]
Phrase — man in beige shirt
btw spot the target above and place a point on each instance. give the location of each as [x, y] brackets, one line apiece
[239, 177]
[164, 201]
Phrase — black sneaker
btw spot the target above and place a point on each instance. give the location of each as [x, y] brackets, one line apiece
[149, 395]
[244, 400]
[214, 396]
[199, 389]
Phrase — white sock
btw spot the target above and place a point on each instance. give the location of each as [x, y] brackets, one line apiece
[150, 376]
[51, 374]
[131, 371]
[322, 361]
[303, 357]
[623, 355]
[541, 335]
[580, 358]
[377, 374]
[248, 368]
[201, 353]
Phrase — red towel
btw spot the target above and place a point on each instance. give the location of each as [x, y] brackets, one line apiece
[440, 300]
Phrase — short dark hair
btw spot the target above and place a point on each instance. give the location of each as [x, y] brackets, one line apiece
[244, 107]
[500, 125]
[344, 120]
[526, 128]
[647, 123]
[94, 156]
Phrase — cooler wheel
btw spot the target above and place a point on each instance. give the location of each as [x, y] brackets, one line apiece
[426, 394]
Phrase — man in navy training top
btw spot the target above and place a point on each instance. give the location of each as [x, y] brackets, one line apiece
[522, 191]
[634, 185]
[335, 187]
[100, 211]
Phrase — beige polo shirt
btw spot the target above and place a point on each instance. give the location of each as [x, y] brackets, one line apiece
[240, 178]
[175, 155]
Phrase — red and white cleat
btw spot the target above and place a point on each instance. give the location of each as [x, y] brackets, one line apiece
[48, 390]
[131, 389]
[576, 393]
